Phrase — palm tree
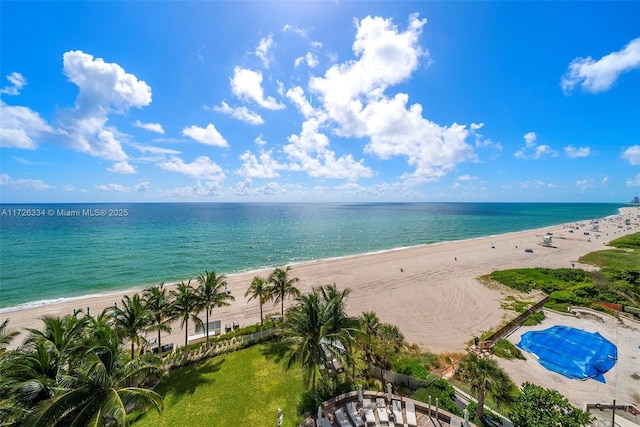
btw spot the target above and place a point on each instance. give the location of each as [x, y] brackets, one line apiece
[303, 333]
[131, 320]
[74, 372]
[6, 336]
[282, 286]
[369, 328]
[158, 303]
[485, 377]
[185, 303]
[103, 388]
[259, 290]
[314, 333]
[212, 293]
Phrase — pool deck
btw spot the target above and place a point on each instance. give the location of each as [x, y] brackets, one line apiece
[622, 382]
[425, 415]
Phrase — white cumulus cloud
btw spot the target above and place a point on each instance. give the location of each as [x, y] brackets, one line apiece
[153, 127]
[573, 152]
[208, 135]
[598, 76]
[17, 80]
[247, 85]
[632, 155]
[23, 184]
[263, 166]
[113, 187]
[104, 84]
[240, 113]
[122, 167]
[21, 127]
[201, 167]
[262, 51]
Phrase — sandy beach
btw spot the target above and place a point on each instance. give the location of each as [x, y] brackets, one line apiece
[430, 292]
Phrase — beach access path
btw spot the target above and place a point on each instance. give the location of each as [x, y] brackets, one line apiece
[431, 292]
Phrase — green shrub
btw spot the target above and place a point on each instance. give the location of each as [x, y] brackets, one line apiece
[443, 391]
[505, 349]
[535, 319]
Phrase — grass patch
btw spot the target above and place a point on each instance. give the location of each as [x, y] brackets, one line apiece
[443, 391]
[617, 281]
[506, 350]
[244, 387]
[535, 319]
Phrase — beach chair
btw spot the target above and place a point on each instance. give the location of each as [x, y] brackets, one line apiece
[342, 419]
[410, 412]
[354, 415]
[367, 409]
[325, 422]
[397, 413]
[383, 416]
[455, 422]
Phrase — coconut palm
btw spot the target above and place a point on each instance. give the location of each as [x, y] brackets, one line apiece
[132, 320]
[369, 328]
[313, 333]
[303, 333]
[485, 377]
[212, 293]
[186, 305]
[282, 286]
[74, 372]
[60, 338]
[6, 336]
[102, 388]
[259, 290]
[157, 301]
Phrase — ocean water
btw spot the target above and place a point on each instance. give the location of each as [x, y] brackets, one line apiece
[50, 252]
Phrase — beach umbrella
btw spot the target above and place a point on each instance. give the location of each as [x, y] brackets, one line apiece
[389, 392]
[360, 399]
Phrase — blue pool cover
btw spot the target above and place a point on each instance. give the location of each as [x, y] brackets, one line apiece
[571, 352]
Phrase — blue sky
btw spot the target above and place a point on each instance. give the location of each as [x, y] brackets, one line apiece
[319, 101]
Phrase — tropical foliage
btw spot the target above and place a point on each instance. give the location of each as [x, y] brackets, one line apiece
[186, 305]
[74, 372]
[317, 333]
[212, 293]
[261, 291]
[282, 286]
[486, 378]
[538, 406]
[617, 281]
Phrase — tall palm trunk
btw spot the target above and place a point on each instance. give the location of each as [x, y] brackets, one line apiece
[480, 409]
[207, 327]
[186, 333]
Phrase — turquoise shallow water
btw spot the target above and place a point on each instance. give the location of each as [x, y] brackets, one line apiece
[46, 255]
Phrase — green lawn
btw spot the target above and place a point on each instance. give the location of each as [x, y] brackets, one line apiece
[242, 388]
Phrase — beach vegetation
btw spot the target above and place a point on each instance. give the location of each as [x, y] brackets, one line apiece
[260, 290]
[538, 406]
[505, 349]
[158, 303]
[74, 371]
[535, 319]
[485, 378]
[132, 320]
[439, 389]
[317, 335]
[212, 293]
[186, 305]
[282, 286]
